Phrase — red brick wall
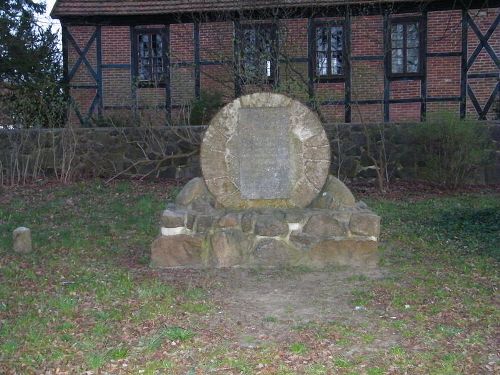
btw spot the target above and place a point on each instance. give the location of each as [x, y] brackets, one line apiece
[216, 45]
[117, 82]
[367, 113]
[115, 44]
[443, 74]
[367, 76]
[293, 34]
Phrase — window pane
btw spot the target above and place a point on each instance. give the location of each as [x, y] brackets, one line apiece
[398, 43]
[322, 63]
[144, 45]
[336, 63]
[150, 62]
[264, 52]
[397, 32]
[412, 60]
[397, 61]
[249, 36]
[337, 39]
[249, 51]
[156, 45]
[412, 35]
[144, 70]
[257, 53]
[322, 39]
[264, 43]
[144, 54]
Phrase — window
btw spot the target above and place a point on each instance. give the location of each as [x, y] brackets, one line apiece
[329, 50]
[405, 47]
[150, 58]
[258, 53]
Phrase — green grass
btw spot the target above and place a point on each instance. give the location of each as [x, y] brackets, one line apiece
[462, 225]
[178, 334]
[298, 348]
[85, 300]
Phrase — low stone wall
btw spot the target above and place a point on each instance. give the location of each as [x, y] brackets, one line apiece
[172, 152]
[352, 156]
[99, 152]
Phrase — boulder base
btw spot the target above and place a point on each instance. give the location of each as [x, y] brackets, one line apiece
[317, 236]
[177, 251]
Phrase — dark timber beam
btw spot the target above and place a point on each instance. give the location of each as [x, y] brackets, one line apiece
[82, 55]
[98, 42]
[387, 83]
[463, 75]
[168, 89]
[423, 81]
[347, 67]
[133, 70]
[310, 60]
[483, 42]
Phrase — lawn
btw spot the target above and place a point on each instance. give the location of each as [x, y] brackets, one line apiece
[86, 301]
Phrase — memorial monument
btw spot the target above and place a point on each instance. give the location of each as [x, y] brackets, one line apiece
[266, 198]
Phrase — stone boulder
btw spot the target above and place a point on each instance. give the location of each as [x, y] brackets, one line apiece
[335, 195]
[229, 247]
[177, 251]
[196, 196]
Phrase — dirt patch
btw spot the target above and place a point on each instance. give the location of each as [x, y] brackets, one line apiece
[279, 307]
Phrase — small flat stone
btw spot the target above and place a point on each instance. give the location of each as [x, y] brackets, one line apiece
[22, 240]
[361, 205]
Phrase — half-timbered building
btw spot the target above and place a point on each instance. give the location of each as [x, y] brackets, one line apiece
[353, 60]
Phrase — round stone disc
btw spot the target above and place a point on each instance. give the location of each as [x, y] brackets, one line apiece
[265, 150]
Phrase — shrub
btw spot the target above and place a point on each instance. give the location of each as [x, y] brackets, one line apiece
[204, 108]
[41, 104]
[451, 149]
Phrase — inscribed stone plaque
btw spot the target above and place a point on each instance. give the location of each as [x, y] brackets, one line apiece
[265, 150]
[264, 153]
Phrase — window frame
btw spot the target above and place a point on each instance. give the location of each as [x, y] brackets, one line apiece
[329, 77]
[136, 51]
[405, 21]
[274, 43]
